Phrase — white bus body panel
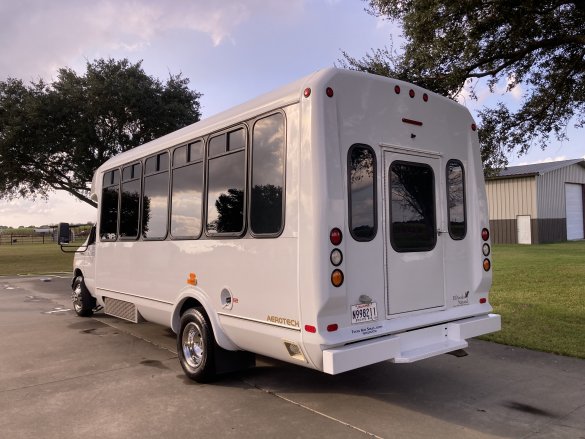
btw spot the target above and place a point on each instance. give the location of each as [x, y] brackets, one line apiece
[279, 286]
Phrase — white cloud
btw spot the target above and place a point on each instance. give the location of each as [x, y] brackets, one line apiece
[39, 36]
[61, 207]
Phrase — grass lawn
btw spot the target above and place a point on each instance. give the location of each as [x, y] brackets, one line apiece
[540, 292]
[34, 259]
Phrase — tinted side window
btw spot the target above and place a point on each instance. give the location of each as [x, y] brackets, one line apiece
[412, 212]
[268, 157]
[362, 192]
[456, 199]
[155, 199]
[187, 192]
[130, 202]
[226, 188]
[109, 206]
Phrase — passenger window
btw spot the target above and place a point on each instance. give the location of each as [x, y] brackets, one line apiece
[130, 202]
[362, 192]
[268, 161]
[155, 199]
[109, 206]
[187, 192]
[456, 199]
[412, 209]
[226, 188]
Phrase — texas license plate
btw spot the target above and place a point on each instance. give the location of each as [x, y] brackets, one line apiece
[364, 312]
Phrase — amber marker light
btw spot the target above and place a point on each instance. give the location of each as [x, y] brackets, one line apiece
[337, 278]
[192, 279]
[487, 264]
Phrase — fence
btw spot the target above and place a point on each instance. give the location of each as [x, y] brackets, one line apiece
[78, 235]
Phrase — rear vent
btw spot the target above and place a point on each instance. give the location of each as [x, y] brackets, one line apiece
[121, 309]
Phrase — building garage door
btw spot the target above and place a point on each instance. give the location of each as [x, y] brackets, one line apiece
[574, 203]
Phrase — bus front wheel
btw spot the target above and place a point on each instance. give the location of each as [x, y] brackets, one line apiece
[83, 302]
[195, 345]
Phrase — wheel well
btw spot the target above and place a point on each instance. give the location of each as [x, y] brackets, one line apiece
[190, 302]
[76, 272]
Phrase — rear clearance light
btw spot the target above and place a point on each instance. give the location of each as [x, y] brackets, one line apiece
[425, 97]
[473, 127]
[337, 257]
[483, 300]
[486, 249]
[337, 278]
[335, 236]
[307, 92]
[329, 92]
[487, 264]
[485, 234]
[411, 93]
[332, 328]
[310, 328]
[397, 89]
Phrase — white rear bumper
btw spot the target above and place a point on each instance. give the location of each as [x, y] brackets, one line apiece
[410, 346]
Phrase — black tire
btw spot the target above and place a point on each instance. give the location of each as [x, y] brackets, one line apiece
[83, 302]
[196, 345]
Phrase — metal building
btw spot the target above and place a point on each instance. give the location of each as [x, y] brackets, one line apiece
[538, 203]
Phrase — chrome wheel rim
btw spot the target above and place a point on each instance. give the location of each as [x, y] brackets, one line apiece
[193, 345]
[76, 297]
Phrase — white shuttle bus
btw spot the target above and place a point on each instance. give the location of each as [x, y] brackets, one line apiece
[336, 222]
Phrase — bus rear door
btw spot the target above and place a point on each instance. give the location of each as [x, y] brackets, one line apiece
[414, 227]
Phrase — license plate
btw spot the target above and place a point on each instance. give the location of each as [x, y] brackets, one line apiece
[364, 312]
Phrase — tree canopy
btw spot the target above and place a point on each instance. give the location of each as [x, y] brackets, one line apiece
[538, 45]
[53, 136]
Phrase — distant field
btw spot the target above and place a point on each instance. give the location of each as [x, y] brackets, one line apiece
[34, 259]
[540, 292]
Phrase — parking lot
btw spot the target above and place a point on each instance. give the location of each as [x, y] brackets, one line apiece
[63, 376]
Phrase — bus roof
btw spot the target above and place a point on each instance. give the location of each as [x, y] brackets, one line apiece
[280, 97]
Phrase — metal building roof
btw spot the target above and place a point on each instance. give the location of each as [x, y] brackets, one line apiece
[536, 169]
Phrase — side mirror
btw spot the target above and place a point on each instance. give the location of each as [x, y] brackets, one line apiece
[63, 233]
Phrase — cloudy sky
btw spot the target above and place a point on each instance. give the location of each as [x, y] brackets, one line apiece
[232, 51]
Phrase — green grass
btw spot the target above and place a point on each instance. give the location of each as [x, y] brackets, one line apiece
[34, 259]
[540, 292]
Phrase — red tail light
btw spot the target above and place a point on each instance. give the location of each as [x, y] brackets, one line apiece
[335, 236]
[485, 234]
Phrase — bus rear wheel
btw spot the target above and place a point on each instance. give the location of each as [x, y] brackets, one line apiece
[195, 346]
[83, 302]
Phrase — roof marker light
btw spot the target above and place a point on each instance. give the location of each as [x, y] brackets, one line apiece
[411, 93]
[307, 92]
[397, 89]
[425, 97]
[473, 127]
[329, 92]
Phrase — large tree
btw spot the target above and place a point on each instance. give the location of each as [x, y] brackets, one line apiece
[449, 45]
[53, 136]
